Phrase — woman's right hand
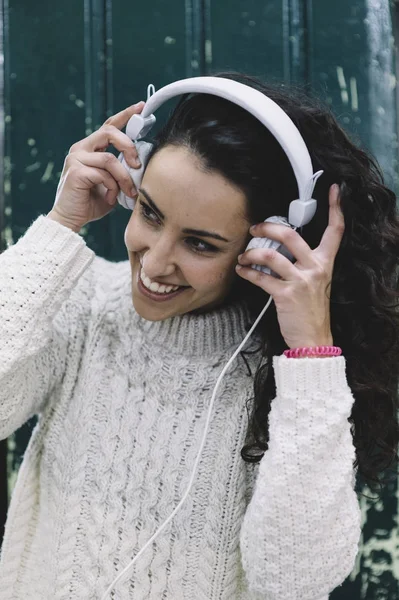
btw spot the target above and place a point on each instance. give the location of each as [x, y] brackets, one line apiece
[91, 178]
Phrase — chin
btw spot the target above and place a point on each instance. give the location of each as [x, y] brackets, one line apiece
[149, 314]
[153, 314]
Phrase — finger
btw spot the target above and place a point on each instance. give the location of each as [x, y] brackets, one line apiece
[111, 196]
[109, 135]
[111, 164]
[289, 238]
[334, 232]
[121, 118]
[94, 177]
[271, 258]
[267, 283]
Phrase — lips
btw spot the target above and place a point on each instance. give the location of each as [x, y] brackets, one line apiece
[156, 295]
[156, 287]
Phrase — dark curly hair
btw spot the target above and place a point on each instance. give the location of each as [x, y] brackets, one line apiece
[364, 287]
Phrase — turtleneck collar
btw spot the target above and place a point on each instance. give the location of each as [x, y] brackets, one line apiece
[203, 334]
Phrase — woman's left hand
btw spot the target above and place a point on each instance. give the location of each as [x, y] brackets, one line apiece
[302, 295]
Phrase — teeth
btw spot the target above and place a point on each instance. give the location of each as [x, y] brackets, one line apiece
[156, 287]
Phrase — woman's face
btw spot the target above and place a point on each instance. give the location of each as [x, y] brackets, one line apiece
[183, 238]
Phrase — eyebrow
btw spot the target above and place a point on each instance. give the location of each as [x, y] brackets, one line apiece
[199, 232]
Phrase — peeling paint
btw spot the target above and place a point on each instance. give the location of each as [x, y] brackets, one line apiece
[380, 91]
[208, 52]
[31, 168]
[341, 77]
[342, 85]
[11, 449]
[47, 173]
[7, 175]
[354, 95]
[7, 236]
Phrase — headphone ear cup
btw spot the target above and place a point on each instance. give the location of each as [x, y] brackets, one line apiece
[143, 151]
[257, 242]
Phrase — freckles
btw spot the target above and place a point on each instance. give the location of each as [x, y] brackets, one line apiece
[221, 277]
[213, 280]
[217, 280]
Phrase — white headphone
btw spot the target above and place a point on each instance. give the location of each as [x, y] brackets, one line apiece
[301, 210]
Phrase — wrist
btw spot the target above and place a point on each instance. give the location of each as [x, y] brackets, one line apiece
[54, 216]
[320, 340]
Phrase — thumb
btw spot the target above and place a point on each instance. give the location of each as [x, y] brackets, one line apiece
[121, 118]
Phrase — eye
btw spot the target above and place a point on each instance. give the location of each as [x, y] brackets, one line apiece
[199, 245]
[148, 214]
[195, 244]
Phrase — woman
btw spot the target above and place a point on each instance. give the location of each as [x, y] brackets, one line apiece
[119, 361]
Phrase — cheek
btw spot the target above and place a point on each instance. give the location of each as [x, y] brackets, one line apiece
[215, 278]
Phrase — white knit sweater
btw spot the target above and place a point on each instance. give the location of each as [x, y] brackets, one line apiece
[122, 404]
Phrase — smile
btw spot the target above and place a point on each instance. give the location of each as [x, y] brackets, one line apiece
[156, 291]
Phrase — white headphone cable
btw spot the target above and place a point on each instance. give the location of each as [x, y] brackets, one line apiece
[177, 508]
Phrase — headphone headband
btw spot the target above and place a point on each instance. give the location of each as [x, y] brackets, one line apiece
[260, 106]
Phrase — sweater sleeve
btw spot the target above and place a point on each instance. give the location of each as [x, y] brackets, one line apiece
[300, 533]
[37, 275]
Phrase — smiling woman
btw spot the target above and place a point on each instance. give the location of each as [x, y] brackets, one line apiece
[120, 360]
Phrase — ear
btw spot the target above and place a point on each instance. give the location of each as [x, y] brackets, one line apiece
[143, 150]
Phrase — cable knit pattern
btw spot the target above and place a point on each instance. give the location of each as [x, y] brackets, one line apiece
[122, 404]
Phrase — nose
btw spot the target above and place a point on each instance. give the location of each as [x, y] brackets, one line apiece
[157, 261]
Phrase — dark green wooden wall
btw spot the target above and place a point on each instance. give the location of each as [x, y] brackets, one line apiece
[69, 65]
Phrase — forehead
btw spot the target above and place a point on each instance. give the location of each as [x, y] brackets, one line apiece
[176, 181]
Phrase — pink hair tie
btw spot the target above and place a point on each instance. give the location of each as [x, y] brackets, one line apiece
[313, 351]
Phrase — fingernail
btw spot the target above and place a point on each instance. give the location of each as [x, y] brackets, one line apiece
[252, 228]
[138, 103]
[238, 267]
[137, 163]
